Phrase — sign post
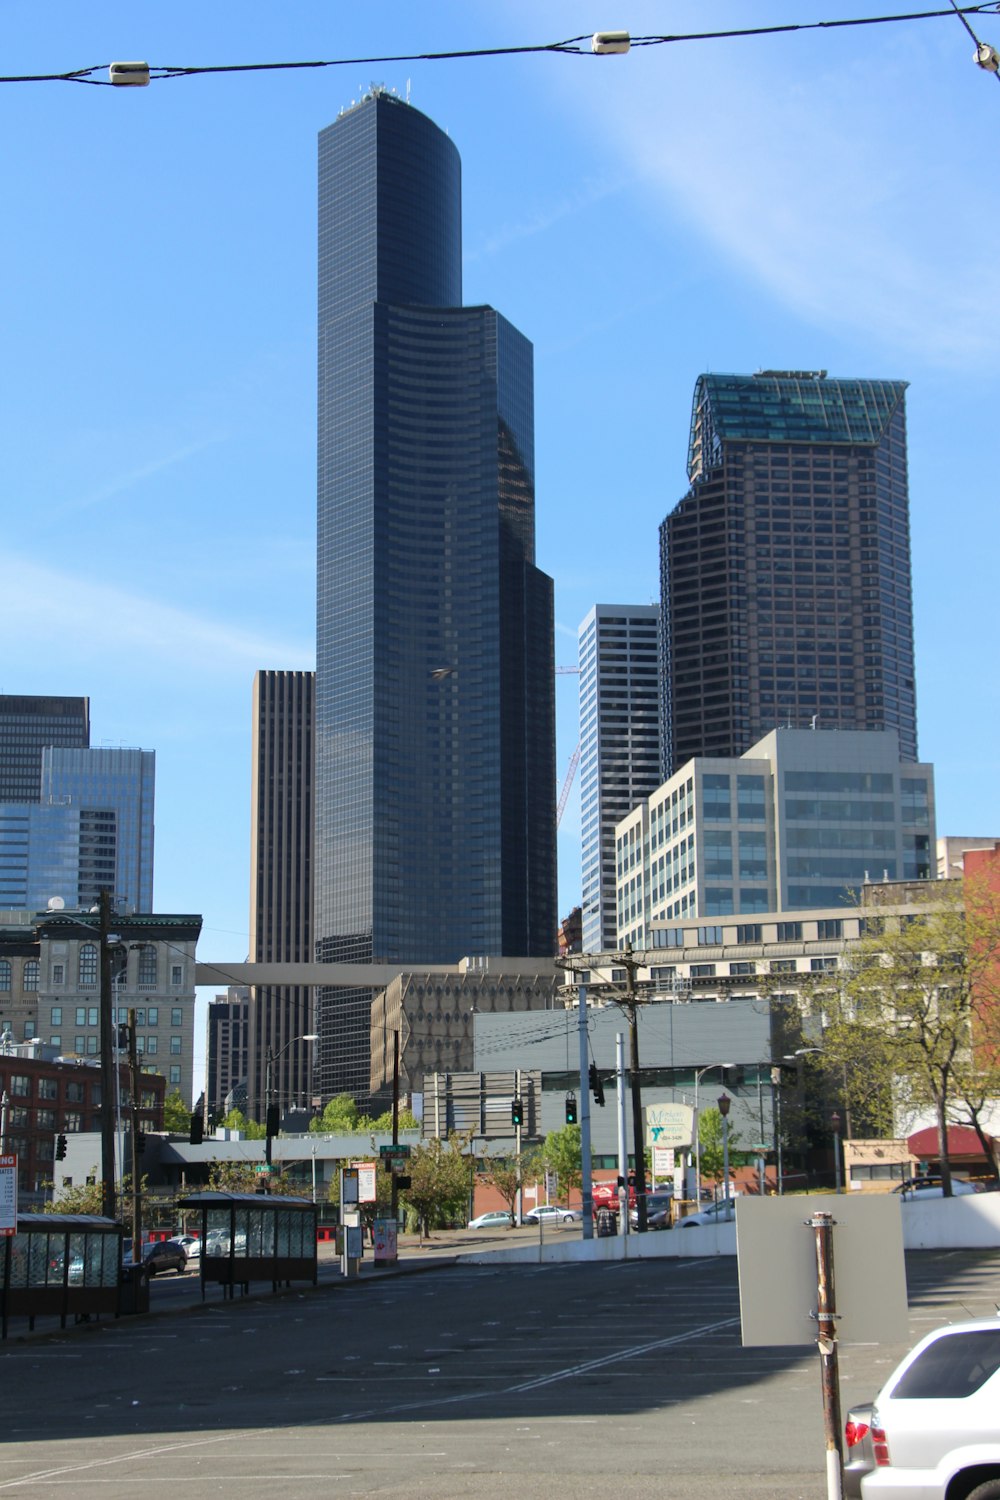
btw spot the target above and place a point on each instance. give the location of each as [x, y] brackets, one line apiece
[8, 1195]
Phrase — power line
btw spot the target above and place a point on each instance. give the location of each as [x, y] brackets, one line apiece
[578, 46]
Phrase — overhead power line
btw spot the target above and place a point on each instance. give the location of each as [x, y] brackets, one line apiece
[587, 45]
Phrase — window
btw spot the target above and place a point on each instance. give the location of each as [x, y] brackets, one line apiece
[92, 1046]
[4, 973]
[749, 932]
[175, 1046]
[58, 974]
[88, 967]
[822, 965]
[669, 937]
[715, 798]
[55, 1041]
[20, 1085]
[829, 929]
[45, 1119]
[709, 936]
[140, 1016]
[176, 974]
[789, 932]
[72, 1121]
[154, 1015]
[782, 966]
[92, 1015]
[147, 967]
[176, 1016]
[30, 977]
[56, 1016]
[81, 1015]
[74, 1093]
[702, 971]
[175, 1073]
[151, 1044]
[955, 1365]
[742, 968]
[48, 1088]
[80, 1045]
[29, 1030]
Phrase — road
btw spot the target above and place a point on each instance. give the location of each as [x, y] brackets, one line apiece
[452, 1381]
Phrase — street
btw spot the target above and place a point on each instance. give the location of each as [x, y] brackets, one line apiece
[451, 1381]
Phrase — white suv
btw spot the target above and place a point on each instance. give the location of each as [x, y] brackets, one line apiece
[935, 1426]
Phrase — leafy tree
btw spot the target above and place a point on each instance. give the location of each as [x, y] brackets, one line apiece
[916, 1007]
[86, 1198]
[242, 1177]
[382, 1123]
[439, 1177]
[508, 1173]
[340, 1117]
[712, 1154]
[176, 1115]
[249, 1129]
[562, 1153]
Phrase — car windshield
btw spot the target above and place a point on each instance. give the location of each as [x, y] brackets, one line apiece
[954, 1366]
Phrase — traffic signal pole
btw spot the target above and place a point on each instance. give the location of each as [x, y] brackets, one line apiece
[108, 1063]
[587, 1178]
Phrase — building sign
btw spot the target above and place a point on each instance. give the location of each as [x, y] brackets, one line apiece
[8, 1195]
[366, 1181]
[669, 1125]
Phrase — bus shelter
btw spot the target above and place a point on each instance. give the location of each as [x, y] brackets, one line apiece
[254, 1237]
[58, 1264]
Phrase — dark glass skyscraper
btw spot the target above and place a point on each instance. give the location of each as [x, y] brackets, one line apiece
[786, 594]
[435, 739]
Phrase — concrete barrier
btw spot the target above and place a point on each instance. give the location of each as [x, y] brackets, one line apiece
[967, 1223]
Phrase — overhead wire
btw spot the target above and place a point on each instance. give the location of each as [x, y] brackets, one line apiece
[577, 46]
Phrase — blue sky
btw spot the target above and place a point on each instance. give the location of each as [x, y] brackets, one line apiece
[817, 200]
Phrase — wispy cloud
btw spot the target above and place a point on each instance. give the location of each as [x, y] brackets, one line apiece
[501, 238]
[133, 477]
[56, 612]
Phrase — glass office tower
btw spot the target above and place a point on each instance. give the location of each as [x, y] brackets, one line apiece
[28, 724]
[786, 595]
[435, 738]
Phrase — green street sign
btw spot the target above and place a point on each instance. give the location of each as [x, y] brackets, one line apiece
[402, 1151]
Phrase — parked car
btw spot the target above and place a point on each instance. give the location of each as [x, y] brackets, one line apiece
[497, 1218]
[166, 1255]
[716, 1213]
[859, 1457]
[934, 1429]
[552, 1213]
[657, 1204]
[191, 1243]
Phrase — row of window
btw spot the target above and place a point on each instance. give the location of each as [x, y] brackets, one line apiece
[828, 929]
[88, 1015]
[88, 1046]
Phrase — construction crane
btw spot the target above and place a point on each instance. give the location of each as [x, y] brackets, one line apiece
[574, 759]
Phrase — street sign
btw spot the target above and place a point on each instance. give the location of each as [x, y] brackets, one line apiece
[401, 1151]
[264, 1169]
[8, 1195]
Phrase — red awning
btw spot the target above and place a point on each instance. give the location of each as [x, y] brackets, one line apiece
[962, 1141]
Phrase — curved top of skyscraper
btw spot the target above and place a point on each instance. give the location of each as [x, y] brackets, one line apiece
[390, 198]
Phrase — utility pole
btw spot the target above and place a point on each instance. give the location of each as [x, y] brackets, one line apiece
[826, 1341]
[519, 1200]
[623, 1223]
[631, 1008]
[3, 1123]
[586, 1167]
[394, 1202]
[136, 1101]
[108, 1064]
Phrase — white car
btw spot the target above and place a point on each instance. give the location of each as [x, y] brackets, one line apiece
[497, 1218]
[716, 1213]
[552, 1213]
[934, 1429]
[191, 1243]
[920, 1188]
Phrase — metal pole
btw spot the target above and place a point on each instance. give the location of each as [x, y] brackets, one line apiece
[638, 1133]
[133, 1072]
[586, 1171]
[836, 1152]
[268, 1069]
[725, 1158]
[826, 1341]
[519, 1200]
[623, 1223]
[108, 1064]
[3, 1123]
[697, 1141]
[394, 1189]
[776, 1112]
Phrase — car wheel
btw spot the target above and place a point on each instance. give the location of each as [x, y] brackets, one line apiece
[988, 1491]
[567, 1218]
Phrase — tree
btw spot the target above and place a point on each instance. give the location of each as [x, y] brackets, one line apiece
[916, 1007]
[176, 1115]
[249, 1129]
[340, 1117]
[712, 1155]
[508, 1173]
[562, 1153]
[439, 1181]
[243, 1177]
[86, 1198]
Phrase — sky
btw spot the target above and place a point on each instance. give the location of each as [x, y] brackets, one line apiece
[818, 200]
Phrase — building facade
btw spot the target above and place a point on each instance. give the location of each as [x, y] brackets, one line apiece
[90, 829]
[786, 593]
[281, 836]
[619, 747]
[435, 739]
[227, 1051]
[30, 724]
[804, 819]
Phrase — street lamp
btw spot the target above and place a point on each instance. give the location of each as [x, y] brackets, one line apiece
[835, 1127]
[698, 1075]
[724, 1102]
[270, 1123]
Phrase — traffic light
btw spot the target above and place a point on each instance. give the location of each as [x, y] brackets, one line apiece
[517, 1112]
[60, 1148]
[403, 1182]
[570, 1109]
[197, 1134]
[597, 1087]
[272, 1120]
[140, 1142]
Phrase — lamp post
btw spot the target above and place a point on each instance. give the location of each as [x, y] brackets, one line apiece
[724, 1102]
[699, 1074]
[835, 1127]
[270, 1123]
